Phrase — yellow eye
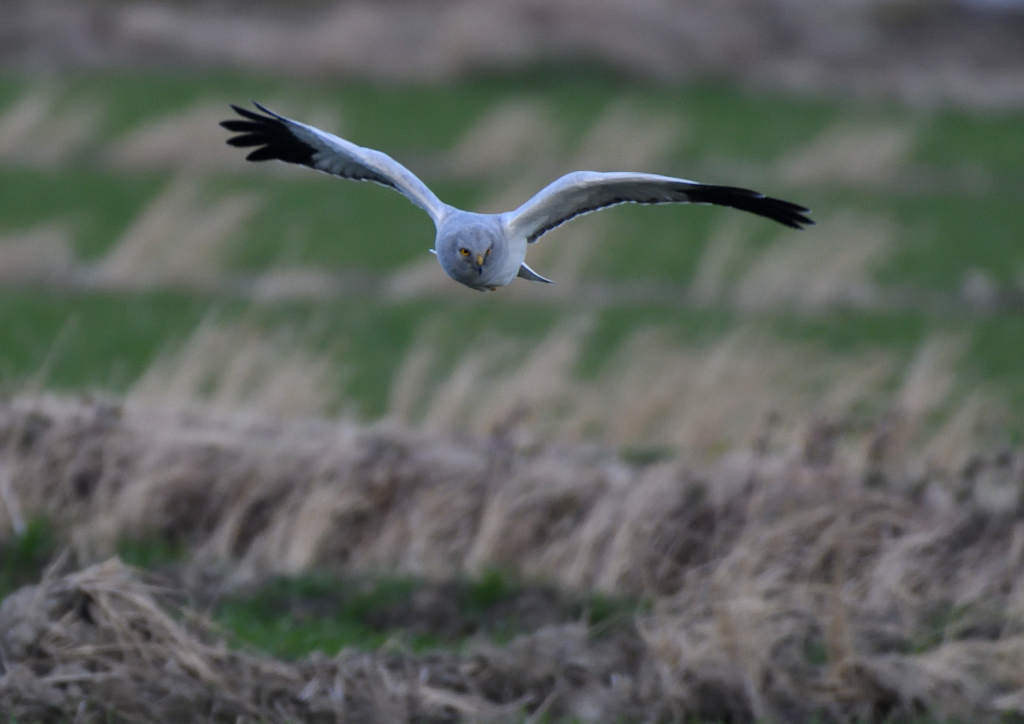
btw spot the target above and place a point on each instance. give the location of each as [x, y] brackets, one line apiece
[464, 252]
[488, 252]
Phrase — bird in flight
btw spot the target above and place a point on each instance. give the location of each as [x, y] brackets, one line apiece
[487, 251]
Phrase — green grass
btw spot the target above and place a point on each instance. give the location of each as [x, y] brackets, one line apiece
[292, 617]
[152, 552]
[76, 341]
[23, 557]
[323, 611]
[31, 196]
[269, 619]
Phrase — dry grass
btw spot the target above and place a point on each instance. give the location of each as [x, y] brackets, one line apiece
[652, 392]
[190, 140]
[40, 254]
[815, 271]
[34, 132]
[176, 240]
[808, 272]
[722, 255]
[179, 140]
[788, 582]
[804, 560]
[627, 137]
[101, 645]
[848, 153]
[503, 138]
[238, 367]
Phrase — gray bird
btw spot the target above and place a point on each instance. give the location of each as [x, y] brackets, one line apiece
[487, 251]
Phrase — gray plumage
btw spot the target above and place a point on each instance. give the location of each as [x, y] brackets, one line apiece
[487, 251]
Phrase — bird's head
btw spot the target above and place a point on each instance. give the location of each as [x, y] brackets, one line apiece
[468, 254]
[476, 253]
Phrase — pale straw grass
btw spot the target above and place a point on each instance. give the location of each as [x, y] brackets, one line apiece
[510, 135]
[43, 131]
[811, 272]
[423, 277]
[189, 139]
[178, 239]
[186, 138]
[239, 367]
[628, 138]
[724, 251]
[39, 254]
[651, 392]
[850, 153]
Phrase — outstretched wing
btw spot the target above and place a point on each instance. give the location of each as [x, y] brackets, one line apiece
[282, 139]
[584, 191]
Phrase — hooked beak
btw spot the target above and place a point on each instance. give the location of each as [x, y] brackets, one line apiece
[479, 259]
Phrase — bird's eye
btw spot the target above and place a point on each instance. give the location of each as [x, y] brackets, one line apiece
[488, 252]
[464, 252]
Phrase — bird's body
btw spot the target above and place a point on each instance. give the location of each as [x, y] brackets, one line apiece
[487, 251]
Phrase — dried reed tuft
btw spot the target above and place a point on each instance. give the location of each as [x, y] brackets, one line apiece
[177, 240]
[102, 645]
[32, 132]
[188, 140]
[628, 138]
[803, 564]
[787, 583]
[723, 254]
[180, 140]
[40, 254]
[239, 367]
[653, 392]
[852, 154]
[803, 272]
[504, 137]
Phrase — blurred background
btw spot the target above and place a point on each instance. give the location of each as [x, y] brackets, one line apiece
[720, 471]
[138, 252]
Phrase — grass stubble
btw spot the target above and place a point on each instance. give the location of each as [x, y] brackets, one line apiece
[801, 565]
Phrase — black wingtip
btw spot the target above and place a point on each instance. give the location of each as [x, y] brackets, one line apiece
[783, 212]
[269, 133]
[264, 109]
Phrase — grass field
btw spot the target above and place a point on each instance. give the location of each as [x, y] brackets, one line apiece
[120, 188]
[593, 438]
